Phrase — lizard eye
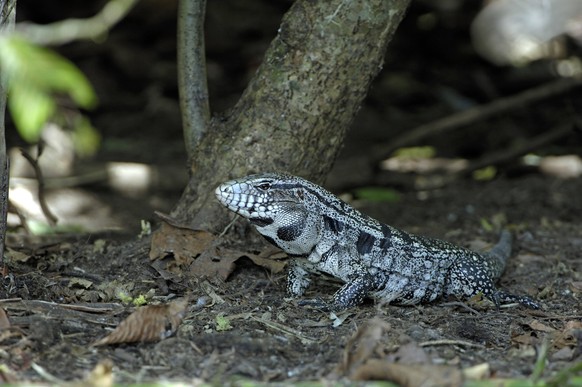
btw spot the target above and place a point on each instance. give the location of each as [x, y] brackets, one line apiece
[264, 186]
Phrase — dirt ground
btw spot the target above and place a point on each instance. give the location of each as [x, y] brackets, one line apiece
[63, 292]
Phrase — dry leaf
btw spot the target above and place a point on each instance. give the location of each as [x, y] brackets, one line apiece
[409, 353]
[527, 339]
[568, 335]
[538, 326]
[269, 259]
[576, 286]
[81, 282]
[219, 263]
[361, 346]
[148, 323]
[16, 256]
[183, 243]
[4, 322]
[195, 249]
[409, 375]
[211, 292]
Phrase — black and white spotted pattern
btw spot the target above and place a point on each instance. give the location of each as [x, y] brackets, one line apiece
[373, 259]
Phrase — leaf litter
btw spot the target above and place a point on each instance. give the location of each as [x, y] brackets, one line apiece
[148, 323]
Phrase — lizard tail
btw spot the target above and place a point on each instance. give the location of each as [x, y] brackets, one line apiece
[498, 255]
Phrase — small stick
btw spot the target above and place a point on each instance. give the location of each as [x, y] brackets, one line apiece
[504, 155]
[41, 198]
[449, 342]
[4, 185]
[478, 113]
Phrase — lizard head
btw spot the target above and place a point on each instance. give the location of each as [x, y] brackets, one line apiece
[261, 198]
[275, 204]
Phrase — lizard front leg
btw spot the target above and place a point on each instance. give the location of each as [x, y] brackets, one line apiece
[298, 276]
[343, 261]
[351, 294]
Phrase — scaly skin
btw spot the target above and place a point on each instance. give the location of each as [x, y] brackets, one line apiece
[373, 259]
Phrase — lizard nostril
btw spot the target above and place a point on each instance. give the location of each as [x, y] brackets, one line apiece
[221, 190]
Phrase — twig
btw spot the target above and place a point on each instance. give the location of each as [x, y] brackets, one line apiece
[462, 305]
[77, 29]
[477, 113]
[8, 14]
[285, 329]
[45, 374]
[449, 342]
[4, 187]
[21, 217]
[192, 83]
[41, 198]
[504, 155]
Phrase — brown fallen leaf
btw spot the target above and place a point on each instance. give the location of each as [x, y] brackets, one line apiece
[576, 286]
[4, 321]
[218, 262]
[540, 327]
[568, 336]
[409, 353]
[148, 323]
[263, 259]
[361, 346]
[191, 249]
[526, 339]
[16, 256]
[197, 250]
[409, 375]
[183, 243]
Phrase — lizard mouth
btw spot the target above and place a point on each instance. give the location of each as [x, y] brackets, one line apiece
[235, 201]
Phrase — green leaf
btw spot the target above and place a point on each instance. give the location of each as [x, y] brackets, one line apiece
[415, 152]
[485, 174]
[222, 323]
[32, 75]
[30, 110]
[378, 194]
[85, 137]
[140, 300]
[485, 225]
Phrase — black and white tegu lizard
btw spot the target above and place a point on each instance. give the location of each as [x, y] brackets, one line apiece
[373, 259]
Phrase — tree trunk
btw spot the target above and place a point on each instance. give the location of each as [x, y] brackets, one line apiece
[295, 112]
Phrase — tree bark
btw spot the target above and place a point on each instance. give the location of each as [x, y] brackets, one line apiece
[295, 112]
[192, 82]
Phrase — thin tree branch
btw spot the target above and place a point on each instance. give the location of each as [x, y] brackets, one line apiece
[77, 29]
[532, 144]
[192, 82]
[7, 14]
[4, 185]
[477, 113]
[41, 198]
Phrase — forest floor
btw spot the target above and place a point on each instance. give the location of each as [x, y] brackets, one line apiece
[63, 292]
